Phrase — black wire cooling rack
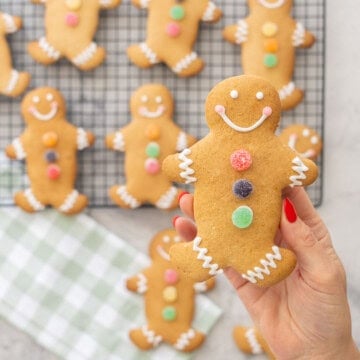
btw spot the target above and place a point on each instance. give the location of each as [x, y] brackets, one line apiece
[98, 101]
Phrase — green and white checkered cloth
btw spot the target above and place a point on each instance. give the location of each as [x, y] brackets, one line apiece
[62, 282]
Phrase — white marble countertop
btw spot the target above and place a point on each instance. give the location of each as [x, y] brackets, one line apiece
[340, 209]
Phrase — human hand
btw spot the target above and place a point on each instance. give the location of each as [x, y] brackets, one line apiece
[307, 315]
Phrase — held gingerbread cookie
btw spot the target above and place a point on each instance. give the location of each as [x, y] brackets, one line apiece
[147, 140]
[239, 171]
[49, 145]
[250, 341]
[302, 139]
[70, 29]
[269, 37]
[172, 29]
[169, 300]
[12, 83]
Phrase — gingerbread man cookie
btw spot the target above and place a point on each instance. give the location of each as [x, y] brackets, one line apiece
[12, 83]
[269, 37]
[169, 299]
[302, 139]
[147, 140]
[250, 341]
[172, 30]
[239, 171]
[70, 29]
[49, 145]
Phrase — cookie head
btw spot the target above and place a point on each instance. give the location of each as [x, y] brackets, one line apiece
[43, 105]
[244, 105]
[161, 244]
[283, 5]
[152, 102]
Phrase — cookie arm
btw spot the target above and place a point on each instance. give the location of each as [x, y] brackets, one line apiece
[302, 171]
[39, 1]
[109, 4]
[141, 4]
[117, 140]
[137, 283]
[84, 139]
[237, 33]
[204, 286]
[212, 13]
[301, 37]
[11, 23]
[16, 150]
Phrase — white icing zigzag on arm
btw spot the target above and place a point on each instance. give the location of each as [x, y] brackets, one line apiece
[209, 12]
[10, 25]
[286, 90]
[119, 142]
[214, 268]
[82, 139]
[142, 284]
[181, 143]
[253, 342]
[151, 337]
[299, 35]
[184, 340]
[14, 78]
[19, 149]
[241, 32]
[300, 168]
[185, 165]
[259, 272]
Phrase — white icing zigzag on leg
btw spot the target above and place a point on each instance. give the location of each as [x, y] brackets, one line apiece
[35, 203]
[149, 54]
[167, 199]
[86, 55]
[48, 49]
[259, 272]
[69, 202]
[142, 284]
[184, 63]
[184, 339]
[300, 168]
[185, 165]
[152, 339]
[209, 12]
[241, 32]
[10, 25]
[253, 342]
[14, 78]
[214, 268]
[127, 198]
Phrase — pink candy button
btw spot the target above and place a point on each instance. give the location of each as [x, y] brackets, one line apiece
[240, 160]
[72, 19]
[152, 166]
[173, 29]
[171, 276]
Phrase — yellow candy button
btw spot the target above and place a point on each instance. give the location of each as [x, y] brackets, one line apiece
[269, 29]
[153, 132]
[50, 139]
[73, 4]
[170, 294]
[271, 46]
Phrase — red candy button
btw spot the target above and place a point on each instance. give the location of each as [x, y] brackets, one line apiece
[171, 276]
[53, 172]
[173, 29]
[72, 19]
[240, 160]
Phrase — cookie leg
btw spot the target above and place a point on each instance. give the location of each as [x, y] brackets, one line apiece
[122, 197]
[290, 96]
[144, 338]
[72, 203]
[142, 55]
[28, 201]
[267, 266]
[89, 58]
[43, 52]
[194, 261]
[186, 64]
[17, 83]
[189, 340]
[169, 199]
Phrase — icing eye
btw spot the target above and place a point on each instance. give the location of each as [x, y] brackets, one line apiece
[166, 239]
[306, 132]
[234, 94]
[260, 95]
[158, 99]
[49, 97]
[314, 140]
[177, 239]
[36, 99]
[144, 99]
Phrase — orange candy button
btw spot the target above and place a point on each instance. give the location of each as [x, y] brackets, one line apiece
[50, 139]
[271, 46]
[153, 132]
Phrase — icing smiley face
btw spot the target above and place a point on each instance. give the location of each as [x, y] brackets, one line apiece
[280, 5]
[160, 246]
[272, 4]
[43, 105]
[243, 105]
[152, 102]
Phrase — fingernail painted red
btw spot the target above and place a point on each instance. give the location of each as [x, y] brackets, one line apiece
[290, 211]
[182, 194]
[174, 220]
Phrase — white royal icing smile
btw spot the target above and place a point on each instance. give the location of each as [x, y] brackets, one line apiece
[267, 111]
[143, 111]
[163, 253]
[44, 117]
[272, 5]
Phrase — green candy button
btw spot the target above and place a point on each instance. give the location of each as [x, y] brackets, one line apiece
[242, 217]
[177, 12]
[169, 313]
[270, 60]
[153, 150]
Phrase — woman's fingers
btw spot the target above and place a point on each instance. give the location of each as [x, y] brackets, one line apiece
[185, 228]
[186, 205]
